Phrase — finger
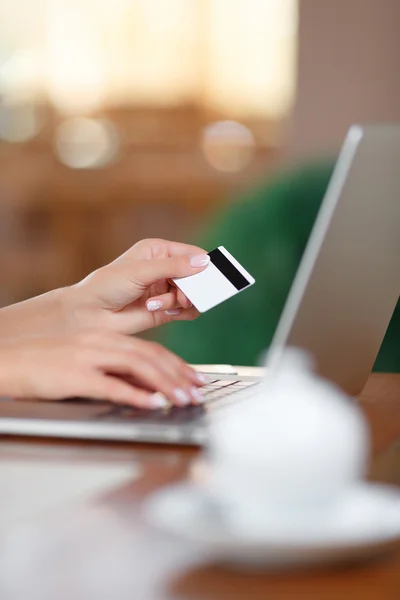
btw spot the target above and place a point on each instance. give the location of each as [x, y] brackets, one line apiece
[113, 389]
[178, 384]
[148, 272]
[181, 249]
[176, 370]
[161, 248]
[188, 314]
[150, 364]
[147, 370]
[161, 317]
[161, 370]
[171, 300]
[182, 299]
[166, 301]
[169, 362]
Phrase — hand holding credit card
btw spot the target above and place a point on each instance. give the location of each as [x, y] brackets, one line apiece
[223, 278]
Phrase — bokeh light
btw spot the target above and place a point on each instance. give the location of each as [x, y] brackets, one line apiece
[228, 145]
[19, 122]
[83, 143]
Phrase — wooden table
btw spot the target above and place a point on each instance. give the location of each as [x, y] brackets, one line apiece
[103, 548]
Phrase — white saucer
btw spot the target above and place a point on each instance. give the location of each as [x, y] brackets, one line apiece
[366, 524]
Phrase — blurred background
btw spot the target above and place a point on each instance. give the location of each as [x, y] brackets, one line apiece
[126, 119]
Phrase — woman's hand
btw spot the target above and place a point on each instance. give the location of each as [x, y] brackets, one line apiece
[134, 292]
[129, 295]
[106, 366]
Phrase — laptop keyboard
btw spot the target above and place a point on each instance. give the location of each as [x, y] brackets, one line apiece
[213, 391]
[221, 388]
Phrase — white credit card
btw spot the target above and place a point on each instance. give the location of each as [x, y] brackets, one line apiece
[223, 278]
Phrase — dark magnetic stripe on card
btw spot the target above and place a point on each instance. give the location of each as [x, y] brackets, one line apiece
[227, 269]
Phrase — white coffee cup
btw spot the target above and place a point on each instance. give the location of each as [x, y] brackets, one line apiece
[288, 453]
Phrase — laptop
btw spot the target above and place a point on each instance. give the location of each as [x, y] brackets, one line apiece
[338, 309]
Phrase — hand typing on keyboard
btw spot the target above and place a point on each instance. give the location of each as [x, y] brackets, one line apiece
[101, 365]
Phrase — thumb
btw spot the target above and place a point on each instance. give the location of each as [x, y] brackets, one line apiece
[151, 271]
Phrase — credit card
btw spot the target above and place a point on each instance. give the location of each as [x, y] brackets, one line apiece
[223, 278]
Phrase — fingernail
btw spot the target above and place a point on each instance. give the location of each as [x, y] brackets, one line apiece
[197, 395]
[153, 305]
[173, 312]
[158, 400]
[202, 378]
[182, 397]
[200, 260]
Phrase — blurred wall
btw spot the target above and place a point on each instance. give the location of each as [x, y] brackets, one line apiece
[348, 70]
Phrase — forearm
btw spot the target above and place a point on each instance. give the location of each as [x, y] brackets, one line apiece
[9, 378]
[45, 315]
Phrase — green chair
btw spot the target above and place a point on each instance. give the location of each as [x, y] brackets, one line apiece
[267, 230]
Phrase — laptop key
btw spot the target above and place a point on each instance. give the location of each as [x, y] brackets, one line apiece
[172, 416]
[218, 390]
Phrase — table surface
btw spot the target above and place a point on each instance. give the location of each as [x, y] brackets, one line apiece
[99, 546]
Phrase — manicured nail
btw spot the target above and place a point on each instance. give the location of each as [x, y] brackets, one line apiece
[153, 305]
[173, 312]
[158, 400]
[197, 395]
[203, 379]
[182, 397]
[200, 260]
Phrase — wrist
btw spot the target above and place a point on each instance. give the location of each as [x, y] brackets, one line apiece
[59, 307]
[76, 307]
[8, 374]
[46, 314]
[49, 313]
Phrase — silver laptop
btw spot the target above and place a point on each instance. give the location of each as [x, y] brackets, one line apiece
[339, 307]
